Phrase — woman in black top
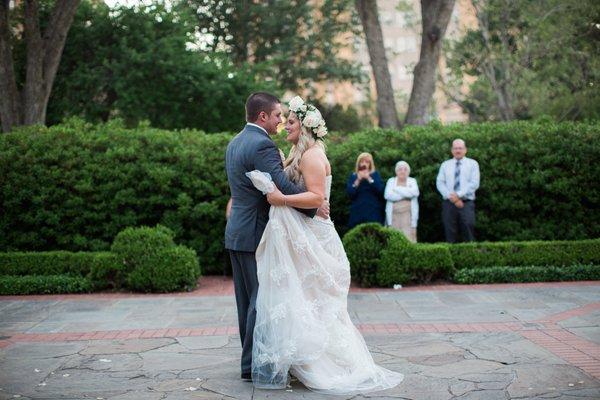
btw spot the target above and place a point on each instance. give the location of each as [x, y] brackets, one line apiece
[365, 189]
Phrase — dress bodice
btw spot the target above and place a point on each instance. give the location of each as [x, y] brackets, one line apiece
[328, 180]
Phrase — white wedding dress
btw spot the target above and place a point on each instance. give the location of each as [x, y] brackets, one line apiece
[302, 322]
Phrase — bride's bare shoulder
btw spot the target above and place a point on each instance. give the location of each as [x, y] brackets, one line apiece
[314, 153]
[315, 156]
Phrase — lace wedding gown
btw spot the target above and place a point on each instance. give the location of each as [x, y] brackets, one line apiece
[302, 322]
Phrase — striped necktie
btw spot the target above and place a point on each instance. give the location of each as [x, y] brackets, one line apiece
[457, 176]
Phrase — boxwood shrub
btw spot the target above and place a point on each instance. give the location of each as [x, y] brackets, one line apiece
[74, 186]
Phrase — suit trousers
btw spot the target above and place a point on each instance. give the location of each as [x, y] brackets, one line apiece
[456, 219]
[245, 282]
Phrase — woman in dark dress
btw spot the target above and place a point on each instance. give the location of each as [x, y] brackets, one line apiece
[365, 189]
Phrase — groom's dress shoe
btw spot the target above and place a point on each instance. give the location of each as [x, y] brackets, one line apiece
[246, 376]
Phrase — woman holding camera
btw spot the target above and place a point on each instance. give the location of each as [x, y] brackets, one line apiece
[365, 189]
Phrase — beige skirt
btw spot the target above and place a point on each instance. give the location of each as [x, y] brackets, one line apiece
[401, 219]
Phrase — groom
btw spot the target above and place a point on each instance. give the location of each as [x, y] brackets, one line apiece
[253, 149]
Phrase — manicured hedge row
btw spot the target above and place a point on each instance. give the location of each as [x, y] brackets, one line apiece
[43, 284]
[415, 263]
[528, 274]
[483, 254]
[142, 259]
[75, 186]
[56, 263]
[380, 256]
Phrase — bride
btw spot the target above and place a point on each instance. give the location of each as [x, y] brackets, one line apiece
[302, 323]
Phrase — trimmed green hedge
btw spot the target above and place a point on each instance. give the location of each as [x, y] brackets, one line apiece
[557, 253]
[384, 257]
[153, 263]
[168, 270]
[55, 263]
[43, 284]
[364, 245]
[142, 259]
[414, 263]
[528, 274]
[75, 186]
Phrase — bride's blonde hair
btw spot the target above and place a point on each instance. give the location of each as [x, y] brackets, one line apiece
[305, 141]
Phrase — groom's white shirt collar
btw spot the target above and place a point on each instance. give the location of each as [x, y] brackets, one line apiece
[259, 127]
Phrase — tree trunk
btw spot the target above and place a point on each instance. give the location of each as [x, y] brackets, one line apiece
[10, 112]
[435, 15]
[492, 69]
[386, 106]
[42, 59]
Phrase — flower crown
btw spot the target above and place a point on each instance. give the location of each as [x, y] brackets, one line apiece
[309, 116]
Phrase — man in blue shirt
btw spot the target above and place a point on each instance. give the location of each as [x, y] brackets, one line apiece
[457, 182]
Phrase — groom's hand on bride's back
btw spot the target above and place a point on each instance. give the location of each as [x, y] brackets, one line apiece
[323, 211]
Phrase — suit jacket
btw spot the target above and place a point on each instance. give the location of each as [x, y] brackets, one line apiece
[252, 149]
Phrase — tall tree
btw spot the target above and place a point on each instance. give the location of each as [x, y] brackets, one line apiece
[386, 106]
[26, 103]
[435, 16]
[527, 59]
[135, 46]
[292, 42]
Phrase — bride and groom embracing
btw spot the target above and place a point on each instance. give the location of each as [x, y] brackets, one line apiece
[290, 271]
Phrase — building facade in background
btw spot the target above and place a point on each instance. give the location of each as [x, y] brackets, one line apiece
[400, 23]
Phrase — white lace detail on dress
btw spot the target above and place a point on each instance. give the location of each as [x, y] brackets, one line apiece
[302, 323]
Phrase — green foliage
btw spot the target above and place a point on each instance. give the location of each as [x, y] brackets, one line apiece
[75, 186]
[538, 179]
[294, 43]
[142, 259]
[392, 268]
[43, 284]
[107, 271]
[55, 263]
[143, 67]
[384, 257]
[166, 270]
[527, 274]
[364, 245]
[531, 58]
[555, 253]
[414, 263]
[133, 245]
[153, 263]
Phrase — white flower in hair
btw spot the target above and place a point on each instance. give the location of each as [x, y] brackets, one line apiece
[321, 131]
[313, 118]
[296, 104]
[309, 116]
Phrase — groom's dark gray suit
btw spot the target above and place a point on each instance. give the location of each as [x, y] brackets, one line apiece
[251, 149]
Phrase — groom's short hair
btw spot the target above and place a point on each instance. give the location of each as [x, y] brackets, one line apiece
[260, 101]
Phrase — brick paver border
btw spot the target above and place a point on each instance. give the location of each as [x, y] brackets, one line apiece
[223, 286]
[544, 332]
[564, 344]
